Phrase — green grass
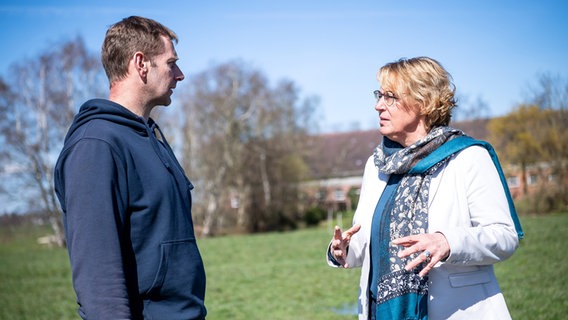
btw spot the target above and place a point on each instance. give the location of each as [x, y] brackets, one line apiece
[279, 276]
[35, 281]
[534, 279]
[275, 276]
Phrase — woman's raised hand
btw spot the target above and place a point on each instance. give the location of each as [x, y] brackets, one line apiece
[340, 243]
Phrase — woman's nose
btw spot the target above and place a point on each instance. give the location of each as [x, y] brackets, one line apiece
[380, 105]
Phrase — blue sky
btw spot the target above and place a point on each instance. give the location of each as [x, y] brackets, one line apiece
[493, 49]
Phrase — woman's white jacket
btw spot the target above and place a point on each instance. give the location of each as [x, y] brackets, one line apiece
[467, 203]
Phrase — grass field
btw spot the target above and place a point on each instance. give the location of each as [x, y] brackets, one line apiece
[279, 276]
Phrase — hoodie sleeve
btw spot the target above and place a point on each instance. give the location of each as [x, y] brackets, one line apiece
[94, 207]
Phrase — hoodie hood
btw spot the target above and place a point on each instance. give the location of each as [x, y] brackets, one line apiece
[110, 111]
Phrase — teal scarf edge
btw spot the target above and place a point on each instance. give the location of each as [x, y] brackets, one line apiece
[414, 308]
[459, 143]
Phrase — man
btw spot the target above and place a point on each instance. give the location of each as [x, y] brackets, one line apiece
[125, 198]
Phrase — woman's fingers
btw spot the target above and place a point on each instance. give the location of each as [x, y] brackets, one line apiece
[349, 233]
[340, 243]
[430, 247]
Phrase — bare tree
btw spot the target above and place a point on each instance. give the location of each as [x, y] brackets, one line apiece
[8, 169]
[549, 92]
[233, 127]
[535, 134]
[467, 110]
[50, 88]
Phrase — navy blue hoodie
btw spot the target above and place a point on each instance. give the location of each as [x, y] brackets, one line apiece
[127, 215]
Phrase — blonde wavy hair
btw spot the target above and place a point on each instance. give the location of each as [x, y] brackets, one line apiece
[421, 82]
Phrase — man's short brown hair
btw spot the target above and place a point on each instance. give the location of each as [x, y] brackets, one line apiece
[129, 36]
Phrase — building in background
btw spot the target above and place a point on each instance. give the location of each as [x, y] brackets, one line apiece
[337, 161]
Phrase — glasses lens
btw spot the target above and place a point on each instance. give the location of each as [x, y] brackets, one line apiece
[388, 97]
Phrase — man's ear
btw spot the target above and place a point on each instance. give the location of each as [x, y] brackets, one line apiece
[141, 64]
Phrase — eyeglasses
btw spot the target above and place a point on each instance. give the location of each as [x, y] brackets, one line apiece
[387, 96]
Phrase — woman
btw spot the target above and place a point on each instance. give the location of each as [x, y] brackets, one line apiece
[434, 214]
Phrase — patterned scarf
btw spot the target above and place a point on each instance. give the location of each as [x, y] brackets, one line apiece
[403, 294]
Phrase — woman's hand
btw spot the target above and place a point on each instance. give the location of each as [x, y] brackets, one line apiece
[432, 248]
[340, 243]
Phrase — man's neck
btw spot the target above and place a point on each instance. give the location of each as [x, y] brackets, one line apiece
[119, 94]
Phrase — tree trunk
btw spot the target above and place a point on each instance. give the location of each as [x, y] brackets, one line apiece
[265, 181]
[209, 215]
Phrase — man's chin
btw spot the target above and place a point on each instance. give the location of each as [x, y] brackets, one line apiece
[164, 102]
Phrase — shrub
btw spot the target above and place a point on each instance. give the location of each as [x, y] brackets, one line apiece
[314, 215]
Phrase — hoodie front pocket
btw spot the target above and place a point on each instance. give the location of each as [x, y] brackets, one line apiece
[181, 271]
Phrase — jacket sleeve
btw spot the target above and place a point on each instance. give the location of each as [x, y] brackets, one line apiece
[486, 234]
[363, 214]
[93, 224]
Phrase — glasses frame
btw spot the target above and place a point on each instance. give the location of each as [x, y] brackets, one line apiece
[388, 97]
